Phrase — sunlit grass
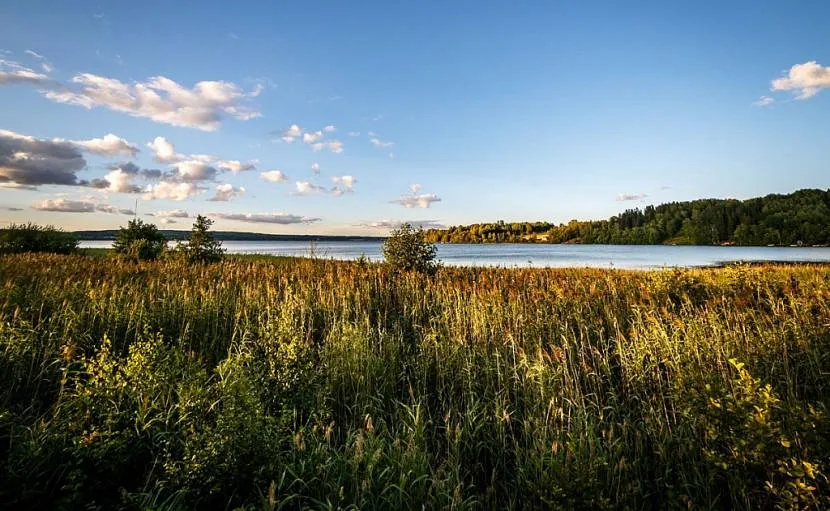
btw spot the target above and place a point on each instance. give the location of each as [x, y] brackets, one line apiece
[294, 383]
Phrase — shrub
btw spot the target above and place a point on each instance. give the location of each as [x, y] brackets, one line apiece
[19, 238]
[407, 249]
[139, 241]
[202, 246]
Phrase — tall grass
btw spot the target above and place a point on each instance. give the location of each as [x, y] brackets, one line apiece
[287, 384]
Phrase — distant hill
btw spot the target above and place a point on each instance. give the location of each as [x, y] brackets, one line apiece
[230, 236]
[798, 218]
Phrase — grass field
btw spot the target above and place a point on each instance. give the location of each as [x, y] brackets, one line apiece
[289, 383]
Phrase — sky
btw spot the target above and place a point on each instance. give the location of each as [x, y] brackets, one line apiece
[352, 117]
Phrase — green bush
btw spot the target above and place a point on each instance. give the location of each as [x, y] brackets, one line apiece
[407, 249]
[202, 247]
[139, 241]
[19, 238]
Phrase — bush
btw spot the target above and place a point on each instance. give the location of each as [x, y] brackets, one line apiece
[407, 249]
[202, 246]
[139, 241]
[18, 238]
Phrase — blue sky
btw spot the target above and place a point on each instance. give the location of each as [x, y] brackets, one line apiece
[496, 110]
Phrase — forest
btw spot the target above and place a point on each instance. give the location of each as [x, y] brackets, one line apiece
[798, 218]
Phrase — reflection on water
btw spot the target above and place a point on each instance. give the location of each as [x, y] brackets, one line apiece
[600, 256]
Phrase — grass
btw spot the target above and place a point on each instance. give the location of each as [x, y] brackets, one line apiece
[292, 383]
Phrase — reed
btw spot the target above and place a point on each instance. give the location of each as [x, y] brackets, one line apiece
[296, 383]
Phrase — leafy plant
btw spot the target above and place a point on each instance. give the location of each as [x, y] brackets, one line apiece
[139, 241]
[407, 249]
[202, 246]
[20, 238]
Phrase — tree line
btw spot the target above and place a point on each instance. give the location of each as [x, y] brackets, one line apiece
[798, 218]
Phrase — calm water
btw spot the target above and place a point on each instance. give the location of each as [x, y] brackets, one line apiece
[601, 256]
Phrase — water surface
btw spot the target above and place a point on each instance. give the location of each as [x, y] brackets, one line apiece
[526, 255]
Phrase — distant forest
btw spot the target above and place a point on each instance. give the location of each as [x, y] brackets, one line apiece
[229, 236]
[798, 218]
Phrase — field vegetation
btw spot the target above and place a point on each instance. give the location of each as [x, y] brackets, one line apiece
[297, 383]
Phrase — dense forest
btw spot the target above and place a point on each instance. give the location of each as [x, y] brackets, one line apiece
[798, 218]
[229, 236]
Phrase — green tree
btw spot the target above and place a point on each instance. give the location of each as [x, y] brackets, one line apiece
[16, 239]
[407, 249]
[202, 246]
[139, 241]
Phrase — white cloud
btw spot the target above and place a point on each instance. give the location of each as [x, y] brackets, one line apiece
[380, 143]
[226, 192]
[346, 183]
[164, 151]
[273, 176]
[107, 208]
[630, 196]
[329, 129]
[335, 146]
[417, 201]
[175, 213]
[44, 63]
[353, 133]
[311, 138]
[167, 221]
[394, 224]
[161, 99]
[172, 190]
[120, 181]
[315, 167]
[307, 188]
[292, 133]
[804, 80]
[109, 145]
[415, 188]
[266, 218]
[64, 206]
[34, 54]
[12, 73]
[236, 166]
[764, 101]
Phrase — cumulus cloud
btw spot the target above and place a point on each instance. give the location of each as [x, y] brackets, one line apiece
[161, 99]
[804, 80]
[343, 184]
[274, 176]
[414, 188]
[172, 190]
[764, 101]
[335, 146]
[167, 221]
[108, 145]
[622, 197]
[194, 170]
[226, 192]
[164, 151]
[29, 161]
[417, 201]
[64, 206]
[315, 167]
[310, 138]
[329, 129]
[307, 188]
[78, 206]
[292, 133]
[12, 73]
[236, 166]
[266, 218]
[118, 181]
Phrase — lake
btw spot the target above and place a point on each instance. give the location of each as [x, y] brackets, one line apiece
[527, 255]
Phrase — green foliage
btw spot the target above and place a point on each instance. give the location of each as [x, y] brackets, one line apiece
[19, 238]
[202, 247]
[802, 217]
[139, 241]
[407, 249]
[298, 384]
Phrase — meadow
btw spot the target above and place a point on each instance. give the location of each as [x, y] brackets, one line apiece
[295, 383]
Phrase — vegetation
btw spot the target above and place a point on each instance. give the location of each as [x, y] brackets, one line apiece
[296, 383]
[406, 249]
[139, 241]
[802, 217]
[202, 247]
[20, 238]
